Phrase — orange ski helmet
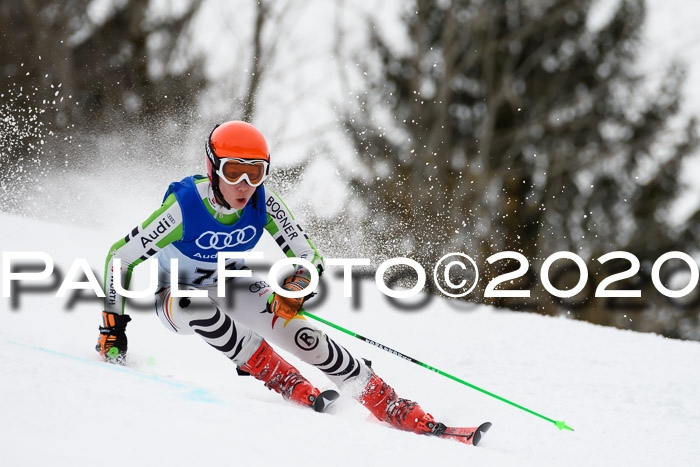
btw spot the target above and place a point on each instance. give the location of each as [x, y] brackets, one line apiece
[234, 139]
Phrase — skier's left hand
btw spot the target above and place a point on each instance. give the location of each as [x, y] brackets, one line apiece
[112, 343]
[286, 307]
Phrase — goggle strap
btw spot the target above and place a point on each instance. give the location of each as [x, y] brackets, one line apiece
[214, 173]
[210, 150]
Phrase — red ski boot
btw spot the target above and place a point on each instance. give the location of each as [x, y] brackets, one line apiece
[267, 365]
[381, 400]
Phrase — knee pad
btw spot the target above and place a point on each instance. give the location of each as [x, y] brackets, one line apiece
[176, 312]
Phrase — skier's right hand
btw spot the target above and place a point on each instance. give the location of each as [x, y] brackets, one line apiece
[112, 342]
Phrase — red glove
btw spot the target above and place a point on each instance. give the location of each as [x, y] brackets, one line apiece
[286, 307]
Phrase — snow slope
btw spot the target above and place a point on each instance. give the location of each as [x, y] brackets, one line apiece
[633, 399]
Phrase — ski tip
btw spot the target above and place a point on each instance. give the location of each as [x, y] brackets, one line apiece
[325, 400]
[483, 428]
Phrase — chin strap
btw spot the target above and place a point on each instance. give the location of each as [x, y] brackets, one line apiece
[217, 192]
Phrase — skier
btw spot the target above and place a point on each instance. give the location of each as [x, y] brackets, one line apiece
[227, 212]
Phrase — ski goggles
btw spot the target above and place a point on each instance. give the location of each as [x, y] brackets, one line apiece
[233, 171]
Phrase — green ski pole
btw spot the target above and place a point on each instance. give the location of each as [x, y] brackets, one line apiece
[558, 423]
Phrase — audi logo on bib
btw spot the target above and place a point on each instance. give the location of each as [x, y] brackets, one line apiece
[221, 240]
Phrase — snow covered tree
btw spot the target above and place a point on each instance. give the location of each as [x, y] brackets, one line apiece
[515, 125]
[116, 65]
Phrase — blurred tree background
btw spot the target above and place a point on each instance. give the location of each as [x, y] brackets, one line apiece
[77, 73]
[492, 126]
[511, 125]
[116, 70]
[80, 74]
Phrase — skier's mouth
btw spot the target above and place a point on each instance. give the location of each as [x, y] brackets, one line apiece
[240, 200]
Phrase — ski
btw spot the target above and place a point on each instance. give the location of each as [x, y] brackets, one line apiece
[469, 436]
[325, 400]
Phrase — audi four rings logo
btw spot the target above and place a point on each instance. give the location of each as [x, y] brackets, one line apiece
[221, 240]
[258, 286]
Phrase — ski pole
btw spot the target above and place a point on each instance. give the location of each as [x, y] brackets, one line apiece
[558, 423]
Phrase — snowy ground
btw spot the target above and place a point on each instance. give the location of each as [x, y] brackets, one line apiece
[633, 399]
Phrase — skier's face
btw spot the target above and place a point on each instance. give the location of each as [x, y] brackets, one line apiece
[237, 195]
